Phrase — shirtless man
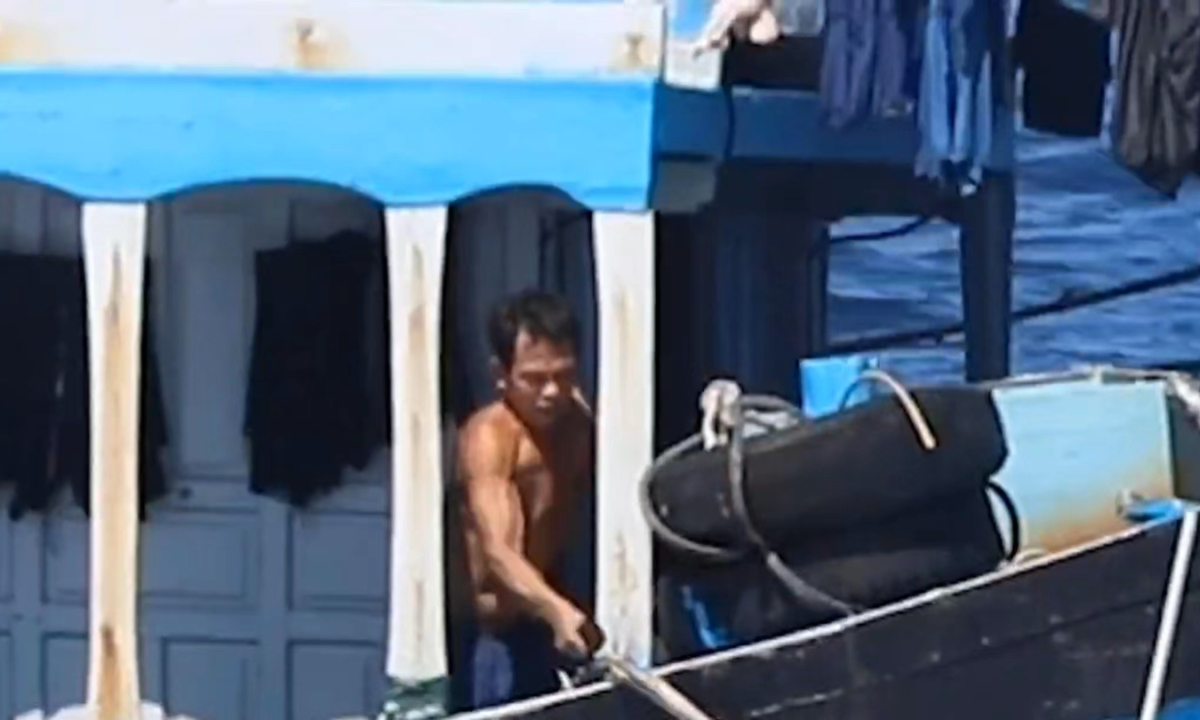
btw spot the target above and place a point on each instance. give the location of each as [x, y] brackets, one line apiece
[525, 465]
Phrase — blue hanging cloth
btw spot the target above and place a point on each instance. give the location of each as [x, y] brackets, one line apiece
[870, 64]
[962, 112]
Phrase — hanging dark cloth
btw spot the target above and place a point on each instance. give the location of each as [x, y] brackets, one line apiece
[44, 394]
[309, 414]
[1156, 118]
[871, 59]
[1065, 58]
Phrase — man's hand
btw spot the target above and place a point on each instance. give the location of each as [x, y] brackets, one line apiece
[575, 635]
[752, 19]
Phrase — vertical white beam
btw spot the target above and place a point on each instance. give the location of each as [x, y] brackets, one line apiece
[114, 244]
[624, 247]
[416, 248]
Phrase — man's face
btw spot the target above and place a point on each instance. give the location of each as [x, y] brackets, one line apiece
[540, 383]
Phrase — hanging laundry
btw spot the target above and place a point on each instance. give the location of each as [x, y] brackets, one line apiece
[1156, 115]
[308, 407]
[1065, 58]
[871, 62]
[44, 395]
[964, 85]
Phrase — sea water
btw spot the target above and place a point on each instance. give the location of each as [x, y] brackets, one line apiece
[1083, 223]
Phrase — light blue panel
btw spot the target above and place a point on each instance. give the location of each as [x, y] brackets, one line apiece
[112, 135]
[687, 18]
[1074, 447]
[824, 382]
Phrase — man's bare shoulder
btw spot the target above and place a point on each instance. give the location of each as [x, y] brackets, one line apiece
[488, 442]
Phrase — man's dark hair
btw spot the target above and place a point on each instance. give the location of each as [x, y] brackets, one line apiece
[543, 315]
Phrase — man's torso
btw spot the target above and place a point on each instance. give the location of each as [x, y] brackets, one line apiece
[548, 481]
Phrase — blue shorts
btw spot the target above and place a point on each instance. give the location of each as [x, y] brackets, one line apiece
[514, 663]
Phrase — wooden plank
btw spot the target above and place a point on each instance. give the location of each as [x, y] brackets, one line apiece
[624, 247]
[364, 36]
[114, 245]
[416, 247]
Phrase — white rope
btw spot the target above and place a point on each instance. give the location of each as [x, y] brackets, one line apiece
[1168, 622]
[907, 401]
[716, 407]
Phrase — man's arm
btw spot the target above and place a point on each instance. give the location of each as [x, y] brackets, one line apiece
[492, 506]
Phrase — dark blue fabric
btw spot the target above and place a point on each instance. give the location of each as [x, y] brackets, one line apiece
[512, 664]
[870, 62]
[962, 87]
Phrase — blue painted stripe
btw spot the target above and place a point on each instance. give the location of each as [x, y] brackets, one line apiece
[776, 124]
[133, 135]
[403, 140]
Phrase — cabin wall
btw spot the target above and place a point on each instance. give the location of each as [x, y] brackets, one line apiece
[249, 608]
[742, 296]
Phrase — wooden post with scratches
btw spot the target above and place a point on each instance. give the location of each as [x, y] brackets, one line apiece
[114, 242]
[624, 249]
[416, 246]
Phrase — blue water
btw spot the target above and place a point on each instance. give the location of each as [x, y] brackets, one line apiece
[1083, 223]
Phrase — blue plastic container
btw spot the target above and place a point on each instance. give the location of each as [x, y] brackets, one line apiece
[824, 381]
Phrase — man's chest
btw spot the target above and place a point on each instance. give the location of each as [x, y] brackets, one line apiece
[550, 483]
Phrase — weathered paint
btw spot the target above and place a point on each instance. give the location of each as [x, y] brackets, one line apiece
[114, 242]
[360, 36]
[1074, 448]
[624, 249]
[416, 241]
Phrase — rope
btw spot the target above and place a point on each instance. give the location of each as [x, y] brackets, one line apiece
[800, 590]
[929, 442]
[911, 409]
[1169, 620]
[906, 228]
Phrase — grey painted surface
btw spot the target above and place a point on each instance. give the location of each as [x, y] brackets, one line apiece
[249, 609]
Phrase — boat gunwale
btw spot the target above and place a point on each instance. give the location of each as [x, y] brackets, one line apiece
[807, 635]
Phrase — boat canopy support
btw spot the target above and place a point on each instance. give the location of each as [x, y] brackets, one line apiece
[114, 246]
[986, 261]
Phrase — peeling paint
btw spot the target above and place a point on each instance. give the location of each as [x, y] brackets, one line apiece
[319, 46]
[21, 44]
[636, 51]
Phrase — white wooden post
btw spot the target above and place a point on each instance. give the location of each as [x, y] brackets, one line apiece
[416, 247]
[114, 243]
[624, 247]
